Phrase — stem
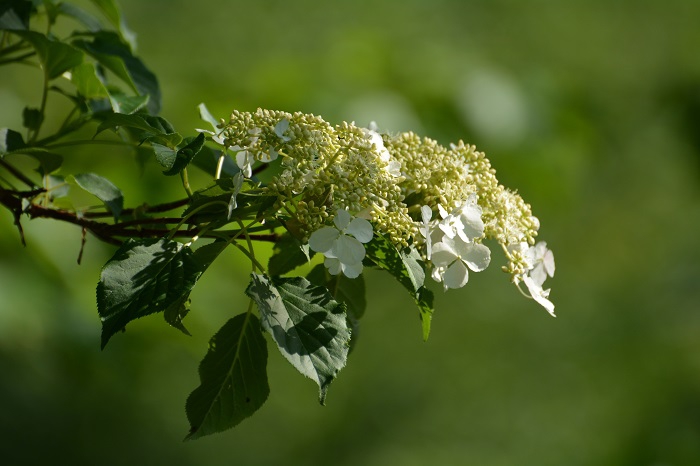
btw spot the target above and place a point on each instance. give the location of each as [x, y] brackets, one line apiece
[186, 182]
[42, 108]
[144, 208]
[17, 174]
[220, 165]
[87, 141]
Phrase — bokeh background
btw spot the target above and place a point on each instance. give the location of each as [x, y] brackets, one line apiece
[591, 109]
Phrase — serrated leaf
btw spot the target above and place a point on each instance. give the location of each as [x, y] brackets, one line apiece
[175, 313]
[55, 57]
[233, 378]
[14, 15]
[308, 325]
[175, 161]
[104, 190]
[10, 140]
[350, 291]
[89, 85]
[115, 55]
[287, 254]
[143, 277]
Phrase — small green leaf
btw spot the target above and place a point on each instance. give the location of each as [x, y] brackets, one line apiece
[115, 55]
[68, 9]
[104, 190]
[111, 11]
[86, 80]
[14, 14]
[233, 378]
[32, 118]
[176, 160]
[151, 129]
[48, 161]
[308, 325]
[56, 57]
[127, 104]
[405, 266]
[287, 254]
[10, 140]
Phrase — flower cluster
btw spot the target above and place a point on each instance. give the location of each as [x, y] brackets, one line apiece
[443, 202]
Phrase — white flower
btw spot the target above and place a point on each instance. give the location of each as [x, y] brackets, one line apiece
[244, 160]
[538, 294]
[541, 261]
[342, 244]
[393, 167]
[464, 221]
[426, 228]
[280, 128]
[453, 257]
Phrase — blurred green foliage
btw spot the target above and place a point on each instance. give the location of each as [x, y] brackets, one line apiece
[590, 108]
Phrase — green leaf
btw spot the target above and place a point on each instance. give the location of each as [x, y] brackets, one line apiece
[48, 161]
[208, 158]
[143, 277]
[115, 55]
[127, 104]
[111, 11]
[10, 140]
[86, 80]
[32, 118]
[350, 291]
[14, 14]
[55, 57]
[212, 203]
[104, 190]
[203, 257]
[176, 160]
[233, 378]
[405, 266]
[68, 9]
[308, 325]
[287, 254]
[151, 129]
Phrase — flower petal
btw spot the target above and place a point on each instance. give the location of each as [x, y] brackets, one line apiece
[548, 262]
[323, 239]
[352, 270]
[342, 219]
[539, 295]
[348, 250]
[361, 229]
[443, 253]
[333, 265]
[456, 275]
[476, 256]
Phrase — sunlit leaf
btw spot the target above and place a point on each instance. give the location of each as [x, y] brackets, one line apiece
[69, 9]
[145, 130]
[89, 85]
[233, 378]
[308, 325]
[10, 140]
[175, 161]
[111, 11]
[103, 189]
[128, 104]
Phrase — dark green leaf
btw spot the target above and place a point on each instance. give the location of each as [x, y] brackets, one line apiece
[111, 11]
[32, 118]
[233, 378]
[48, 161]
[14, 14]
[104, 190]
[115, 55]
[424, 300]
[203, 257]
[208, 158]
[350, 291]
[176, 160]
[308, 325]
[287, 254]
[56, 57]
[212, 203]
[144, 131]
[10, 140]
[89, 85]
[143, 277]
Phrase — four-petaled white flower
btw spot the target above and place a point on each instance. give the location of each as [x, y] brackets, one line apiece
[342, 245]
[541, 260]
[464, 221]
[452, 259]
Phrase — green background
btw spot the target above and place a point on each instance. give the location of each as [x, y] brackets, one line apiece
[590, 109]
